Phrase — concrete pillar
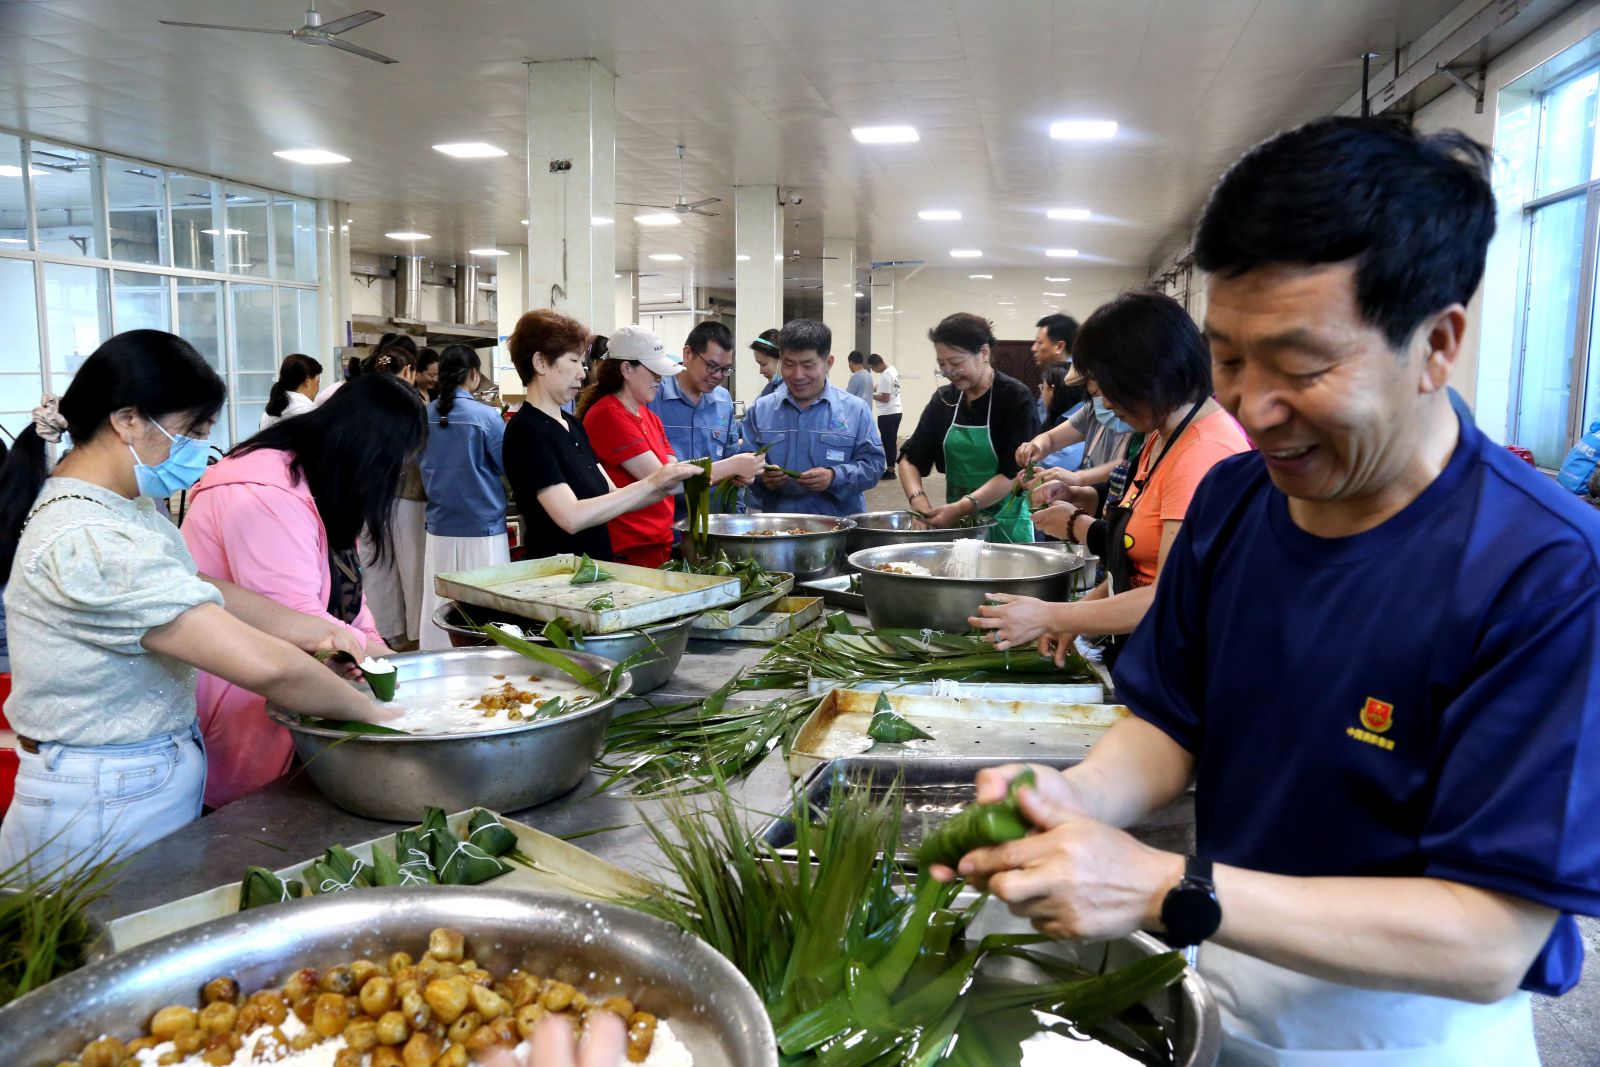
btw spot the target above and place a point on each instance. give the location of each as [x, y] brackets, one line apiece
[333, 274]
[627, 301]
[511, 292]
[757, 277]
[572, 165]
[839, 297]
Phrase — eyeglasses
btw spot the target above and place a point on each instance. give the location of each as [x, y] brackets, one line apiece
[714, 369]
[946, 367]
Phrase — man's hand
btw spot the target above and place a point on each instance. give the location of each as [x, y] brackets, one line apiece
[773, 478]
[1014, 620]
[817, 479]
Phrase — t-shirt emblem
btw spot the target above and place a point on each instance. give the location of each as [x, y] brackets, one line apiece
[1377, 716]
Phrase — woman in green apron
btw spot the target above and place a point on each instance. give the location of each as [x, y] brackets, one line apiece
[970, 430]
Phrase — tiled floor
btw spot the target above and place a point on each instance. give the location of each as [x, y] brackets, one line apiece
[1568, 1027]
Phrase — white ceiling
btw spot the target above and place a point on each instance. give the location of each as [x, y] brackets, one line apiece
[759, 90]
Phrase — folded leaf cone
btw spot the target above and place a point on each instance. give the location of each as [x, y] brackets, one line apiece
[261, 887]
[977, 826]
[589, 571]
[486, 831]
[889, 725]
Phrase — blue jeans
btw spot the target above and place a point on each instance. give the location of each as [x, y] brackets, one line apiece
[76, 805]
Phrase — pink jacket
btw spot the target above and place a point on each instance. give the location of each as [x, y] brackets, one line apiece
[248, 523]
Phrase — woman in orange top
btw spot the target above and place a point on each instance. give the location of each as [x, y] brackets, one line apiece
[1144, 355]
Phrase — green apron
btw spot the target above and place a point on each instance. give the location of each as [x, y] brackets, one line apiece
[969, 461]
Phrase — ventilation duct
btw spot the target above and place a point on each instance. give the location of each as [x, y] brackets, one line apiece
[467, 294]
[408, 288]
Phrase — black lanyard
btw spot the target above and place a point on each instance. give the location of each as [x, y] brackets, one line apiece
[1166, 446]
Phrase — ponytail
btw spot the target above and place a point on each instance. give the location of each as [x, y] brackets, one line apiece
[608, 379]
[456, 364]
[296, 370]
[155, 373]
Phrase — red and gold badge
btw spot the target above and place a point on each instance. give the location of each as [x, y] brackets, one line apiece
[1376, 715]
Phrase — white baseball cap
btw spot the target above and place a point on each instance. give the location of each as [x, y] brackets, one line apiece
[640, 345]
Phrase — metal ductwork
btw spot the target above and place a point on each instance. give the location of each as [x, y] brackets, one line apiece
[467, 293]
[408, 288]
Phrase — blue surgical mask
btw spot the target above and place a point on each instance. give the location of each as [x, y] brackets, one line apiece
[1108, 418]
[185, 463]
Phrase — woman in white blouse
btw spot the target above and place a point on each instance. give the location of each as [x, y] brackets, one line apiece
[295, 391]
[108, 620]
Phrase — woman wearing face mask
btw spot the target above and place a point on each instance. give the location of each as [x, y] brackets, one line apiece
[108, 619]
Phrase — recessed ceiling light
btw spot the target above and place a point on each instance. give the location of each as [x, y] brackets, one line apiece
[312, 156]
[965, 253]
[1061, 253]
[663, 218]
[1005, 303]
[885, 134]
[8, 170]
[1083, 130]
[1068, 213]
[859, 294]
[940, 215]
[487, 252]
[667, 257]
[407, 235]
[885, 307]
[226, 233]
[470, 150]
[1055, 294]
[983, 277]
[600, 220]
[524, 222]
[742, 259]
[1050, 279]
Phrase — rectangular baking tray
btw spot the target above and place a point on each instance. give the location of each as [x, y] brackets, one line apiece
[784, 617]
[542, 589]
[559, 867]
[934, 790]
[836, 592]
[988, 727]
[736, 614]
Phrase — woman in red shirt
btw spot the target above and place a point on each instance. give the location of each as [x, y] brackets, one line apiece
[629, 439]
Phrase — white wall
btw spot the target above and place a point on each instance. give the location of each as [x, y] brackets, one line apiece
[907, 303]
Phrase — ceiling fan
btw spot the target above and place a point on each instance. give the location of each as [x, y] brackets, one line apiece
[681, 206]
[315, 31]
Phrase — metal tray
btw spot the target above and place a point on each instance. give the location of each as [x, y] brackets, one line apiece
[560, 867]
[734, 615]
[541, 589]
[837, 591]
[786, 615]
[998, 730]
[1083, 693]
[936, 789]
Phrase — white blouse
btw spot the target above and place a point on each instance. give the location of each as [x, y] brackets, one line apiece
[299, 404]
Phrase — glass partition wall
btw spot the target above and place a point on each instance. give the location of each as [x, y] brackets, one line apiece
[92, 245]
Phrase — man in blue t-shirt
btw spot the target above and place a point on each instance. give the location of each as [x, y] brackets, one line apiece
[1372, 649]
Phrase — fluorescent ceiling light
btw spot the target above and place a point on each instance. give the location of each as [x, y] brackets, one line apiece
[742, 259]
[524, 222]
[941, 215]
[1055, 294]
[226, 233]
[9, 170]
[859, 294]
[1005, 303]
[1083, 130]
[1068, 213]
[667, 257]
[407, 235]
[470, 150]
[600, 220]
[312, 156]
[663, 218]
[1050, 279]
[965, 253]
[885, 307]
[885, 134]
[13, 240]
[984, 277]
[487, 252]
[1061, 253]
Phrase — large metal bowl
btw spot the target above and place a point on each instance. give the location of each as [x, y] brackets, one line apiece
[819, 553]
[665, 642]
[875, 529]
[393, 776]
[664, 971]
[939, 603]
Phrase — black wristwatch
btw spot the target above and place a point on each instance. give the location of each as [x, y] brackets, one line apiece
[1191, 912]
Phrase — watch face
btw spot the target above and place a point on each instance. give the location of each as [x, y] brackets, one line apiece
[1191, 914]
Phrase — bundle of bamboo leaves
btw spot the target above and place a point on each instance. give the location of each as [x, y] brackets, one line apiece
[855, 969]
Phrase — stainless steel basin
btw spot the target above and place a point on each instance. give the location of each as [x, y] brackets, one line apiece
[875, 529]
[936, 602]
[817, 553]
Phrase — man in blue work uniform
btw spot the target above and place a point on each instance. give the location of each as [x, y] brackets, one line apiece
[817, 430]
[693, 406]
[1373, 647]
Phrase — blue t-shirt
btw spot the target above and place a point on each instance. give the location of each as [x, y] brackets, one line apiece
[1421, 699]
[461, 467]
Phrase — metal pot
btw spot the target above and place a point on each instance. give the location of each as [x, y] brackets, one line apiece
[666, 641]
[934, 602]
[874, 529]
[676, 977]
[817, 553]
[393, 776]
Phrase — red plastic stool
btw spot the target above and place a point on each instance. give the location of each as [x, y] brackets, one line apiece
[8, 748]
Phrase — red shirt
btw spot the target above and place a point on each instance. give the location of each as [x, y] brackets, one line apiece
[642, 537]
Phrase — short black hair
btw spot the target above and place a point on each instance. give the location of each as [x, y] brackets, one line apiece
[964, 331]
[806, 335]
[707, 334]
[1414, 211]
[1061, 329]
[1145, 354]
[875, 360]
[856, 357]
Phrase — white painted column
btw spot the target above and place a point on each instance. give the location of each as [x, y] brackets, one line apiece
[511, 300]
[627, 298]
[757, 276]
[572, 125]
[839, 296]
[333, 277]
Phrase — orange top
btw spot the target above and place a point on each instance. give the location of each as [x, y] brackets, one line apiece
[1204, 443]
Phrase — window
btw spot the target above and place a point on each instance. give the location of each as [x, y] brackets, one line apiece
[66, 201]
[140, 301]
[21, 383]
[196, 222]
[77, 316]
[136, 197]
[246, 233]
[13, 195]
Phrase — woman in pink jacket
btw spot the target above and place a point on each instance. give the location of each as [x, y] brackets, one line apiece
[280, 516]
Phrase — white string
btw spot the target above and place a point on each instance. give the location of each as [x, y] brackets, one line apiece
[411, 877]
[330, 885]
[927, 639]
